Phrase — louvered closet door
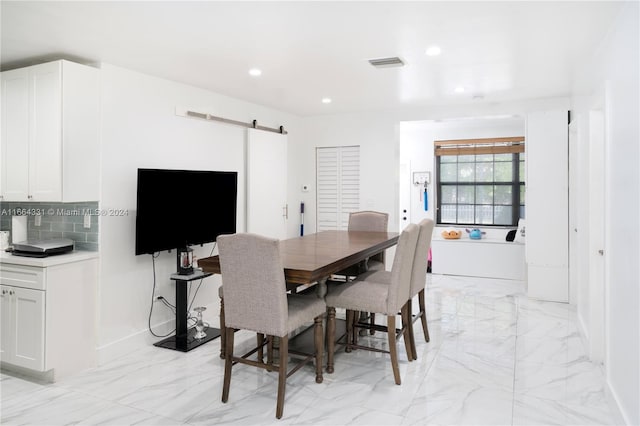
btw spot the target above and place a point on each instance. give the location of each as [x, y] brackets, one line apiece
[338, 186]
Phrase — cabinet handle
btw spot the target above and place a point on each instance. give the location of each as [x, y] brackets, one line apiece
[4, 291]
[11, 293]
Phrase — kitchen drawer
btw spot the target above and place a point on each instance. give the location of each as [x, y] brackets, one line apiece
[23, 276]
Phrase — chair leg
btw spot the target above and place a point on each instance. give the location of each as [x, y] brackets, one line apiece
[223, 334]
[319, 344]
[331, 337]
[423, 315]
[412, 338]
[391, 326]
[260, 343]
[350, 315]
[282, 374]
[372, 321]
[356, 318]
[269, 353]
[363, 318]
[228, 363]
[406, 334]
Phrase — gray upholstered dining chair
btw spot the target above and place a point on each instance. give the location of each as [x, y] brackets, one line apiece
[383, 298]
[223, 334]
[370, 221]
[367, 221]
[418, 280]
[255, 299]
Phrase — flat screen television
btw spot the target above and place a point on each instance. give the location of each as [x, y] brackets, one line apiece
[180, 208]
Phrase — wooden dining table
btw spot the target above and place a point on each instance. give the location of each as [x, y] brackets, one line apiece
[314, 258]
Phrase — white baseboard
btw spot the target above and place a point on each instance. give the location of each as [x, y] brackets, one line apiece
[40, 377]
[131, 343]
[584, 334]
[619, 415]
[143, 338]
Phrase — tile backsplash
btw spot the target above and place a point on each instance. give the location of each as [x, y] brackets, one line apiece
[57, 220]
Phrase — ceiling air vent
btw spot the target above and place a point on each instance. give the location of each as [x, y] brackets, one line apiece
[387, 62]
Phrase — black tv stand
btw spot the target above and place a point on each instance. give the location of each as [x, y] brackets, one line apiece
[184, 339]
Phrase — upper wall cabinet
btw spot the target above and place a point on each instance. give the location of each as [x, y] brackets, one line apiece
[50, 144]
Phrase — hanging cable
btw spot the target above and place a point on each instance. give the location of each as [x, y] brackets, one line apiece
[153, 292]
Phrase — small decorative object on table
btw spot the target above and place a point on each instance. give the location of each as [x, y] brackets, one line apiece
[200, 334]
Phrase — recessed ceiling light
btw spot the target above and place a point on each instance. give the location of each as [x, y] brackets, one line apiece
[433, 51]
[255, 72]
[459, 89]
[326, 100]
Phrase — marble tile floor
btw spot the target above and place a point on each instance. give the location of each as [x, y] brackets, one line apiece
[495, 358]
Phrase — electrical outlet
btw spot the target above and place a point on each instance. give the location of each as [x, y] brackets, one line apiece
[87, 220]
[38, 220]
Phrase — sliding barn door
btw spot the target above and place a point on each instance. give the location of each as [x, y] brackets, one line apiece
[338, 186]
[267, 209]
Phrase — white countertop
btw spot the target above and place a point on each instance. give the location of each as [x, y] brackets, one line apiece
[43, 262]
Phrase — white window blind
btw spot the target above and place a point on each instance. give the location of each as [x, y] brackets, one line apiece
[338, 186]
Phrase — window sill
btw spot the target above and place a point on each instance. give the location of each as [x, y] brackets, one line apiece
[465, 238]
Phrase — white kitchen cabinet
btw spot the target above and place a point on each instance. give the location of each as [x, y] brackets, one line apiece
[50, 145]
[48, 317]
[23, 338]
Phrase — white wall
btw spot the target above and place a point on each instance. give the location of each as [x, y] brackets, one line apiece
[417, 155]
[416, 151]
[378, 134]
[616, 67]
[140, 129]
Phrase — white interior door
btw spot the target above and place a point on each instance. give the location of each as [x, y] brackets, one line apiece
[578, 233]
[267, 210]
[405, 195]
[596, 256]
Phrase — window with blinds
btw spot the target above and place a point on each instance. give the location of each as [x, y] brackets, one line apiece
[338, 186]
[480, 181]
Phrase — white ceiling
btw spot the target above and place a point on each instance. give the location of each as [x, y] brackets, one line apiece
[500, 51]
